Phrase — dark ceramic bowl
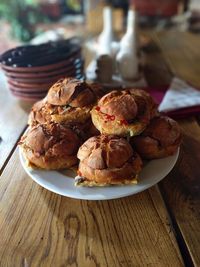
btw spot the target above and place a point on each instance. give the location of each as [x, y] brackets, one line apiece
[32, 70]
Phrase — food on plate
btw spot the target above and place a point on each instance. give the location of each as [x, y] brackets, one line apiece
[161, 138]
[68, 100]
[51, 146]
[123, 113]
[145, 102]
[98, 89]
[74, 111]
[107, 160]
[39, 113]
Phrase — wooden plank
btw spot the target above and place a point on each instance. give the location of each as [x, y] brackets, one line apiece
[13, 118]
[156, 70]
[40, 228]
[181, 188]
[181, 52]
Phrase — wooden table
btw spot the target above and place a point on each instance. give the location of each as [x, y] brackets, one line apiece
[158, 227]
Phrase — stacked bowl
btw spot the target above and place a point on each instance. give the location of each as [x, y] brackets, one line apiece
[32, 69]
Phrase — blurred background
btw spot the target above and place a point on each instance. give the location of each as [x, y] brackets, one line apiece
[23, 21]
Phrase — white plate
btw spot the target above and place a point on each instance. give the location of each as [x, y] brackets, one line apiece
[153, 172]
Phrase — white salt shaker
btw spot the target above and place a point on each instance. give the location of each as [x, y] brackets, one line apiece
[127, 57]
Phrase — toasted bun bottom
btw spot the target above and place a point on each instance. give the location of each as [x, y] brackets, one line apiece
[53, 163]
[124, 175]
[114, 126]
[150, 150]
[81, 181]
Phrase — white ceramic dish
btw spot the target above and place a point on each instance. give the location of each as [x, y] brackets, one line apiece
[153, 172]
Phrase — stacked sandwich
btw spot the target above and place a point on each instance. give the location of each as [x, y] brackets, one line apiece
[108, 134]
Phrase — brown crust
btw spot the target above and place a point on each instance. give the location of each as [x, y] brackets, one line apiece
[98, 90]
[119, 104]
[43, 112]
[145, 102]
[124, 113]
[118, 127]
[50, 146]
[48, 163]
[108, 176]
[68, 100]
[39, 113]
[160, 139]
[70, 91]
[108, 160]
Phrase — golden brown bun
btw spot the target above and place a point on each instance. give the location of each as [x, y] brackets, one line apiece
[124, 113]
[50, 146]
[145, 102]
[68, 101]
[160, 139]
[120, 104]
[88, 129]
[39, 113]
[98, 90]
[106, 160]
[70, 91]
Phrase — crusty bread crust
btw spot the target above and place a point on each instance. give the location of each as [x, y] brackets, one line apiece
[106, 160]
[39, 113]
[51, 146]
[160, 139]
[124, 175]
[68, 100]
[48, 163]
[124, 113]
[70, 91]
[150, 149]
[117, 127]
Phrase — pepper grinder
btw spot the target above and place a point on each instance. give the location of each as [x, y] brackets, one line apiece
[105, 66]
[127, 57]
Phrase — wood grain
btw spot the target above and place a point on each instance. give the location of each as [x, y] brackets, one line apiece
[182, 190]
[40, 228]
[156, 70]
[12, 122]
[181, 52]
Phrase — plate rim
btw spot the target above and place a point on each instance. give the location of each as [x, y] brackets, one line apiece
[140, 189]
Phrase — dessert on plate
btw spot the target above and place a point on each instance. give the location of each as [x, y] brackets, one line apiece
[107, 160]
[161, 138]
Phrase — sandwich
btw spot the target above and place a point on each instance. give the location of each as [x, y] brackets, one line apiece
[123, 113]
[107, 160]
[50, 146]
[161, 138]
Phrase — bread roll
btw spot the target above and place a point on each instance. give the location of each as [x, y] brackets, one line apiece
[50, 146]
[123, 113]
[107, 160]
[160, 139]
